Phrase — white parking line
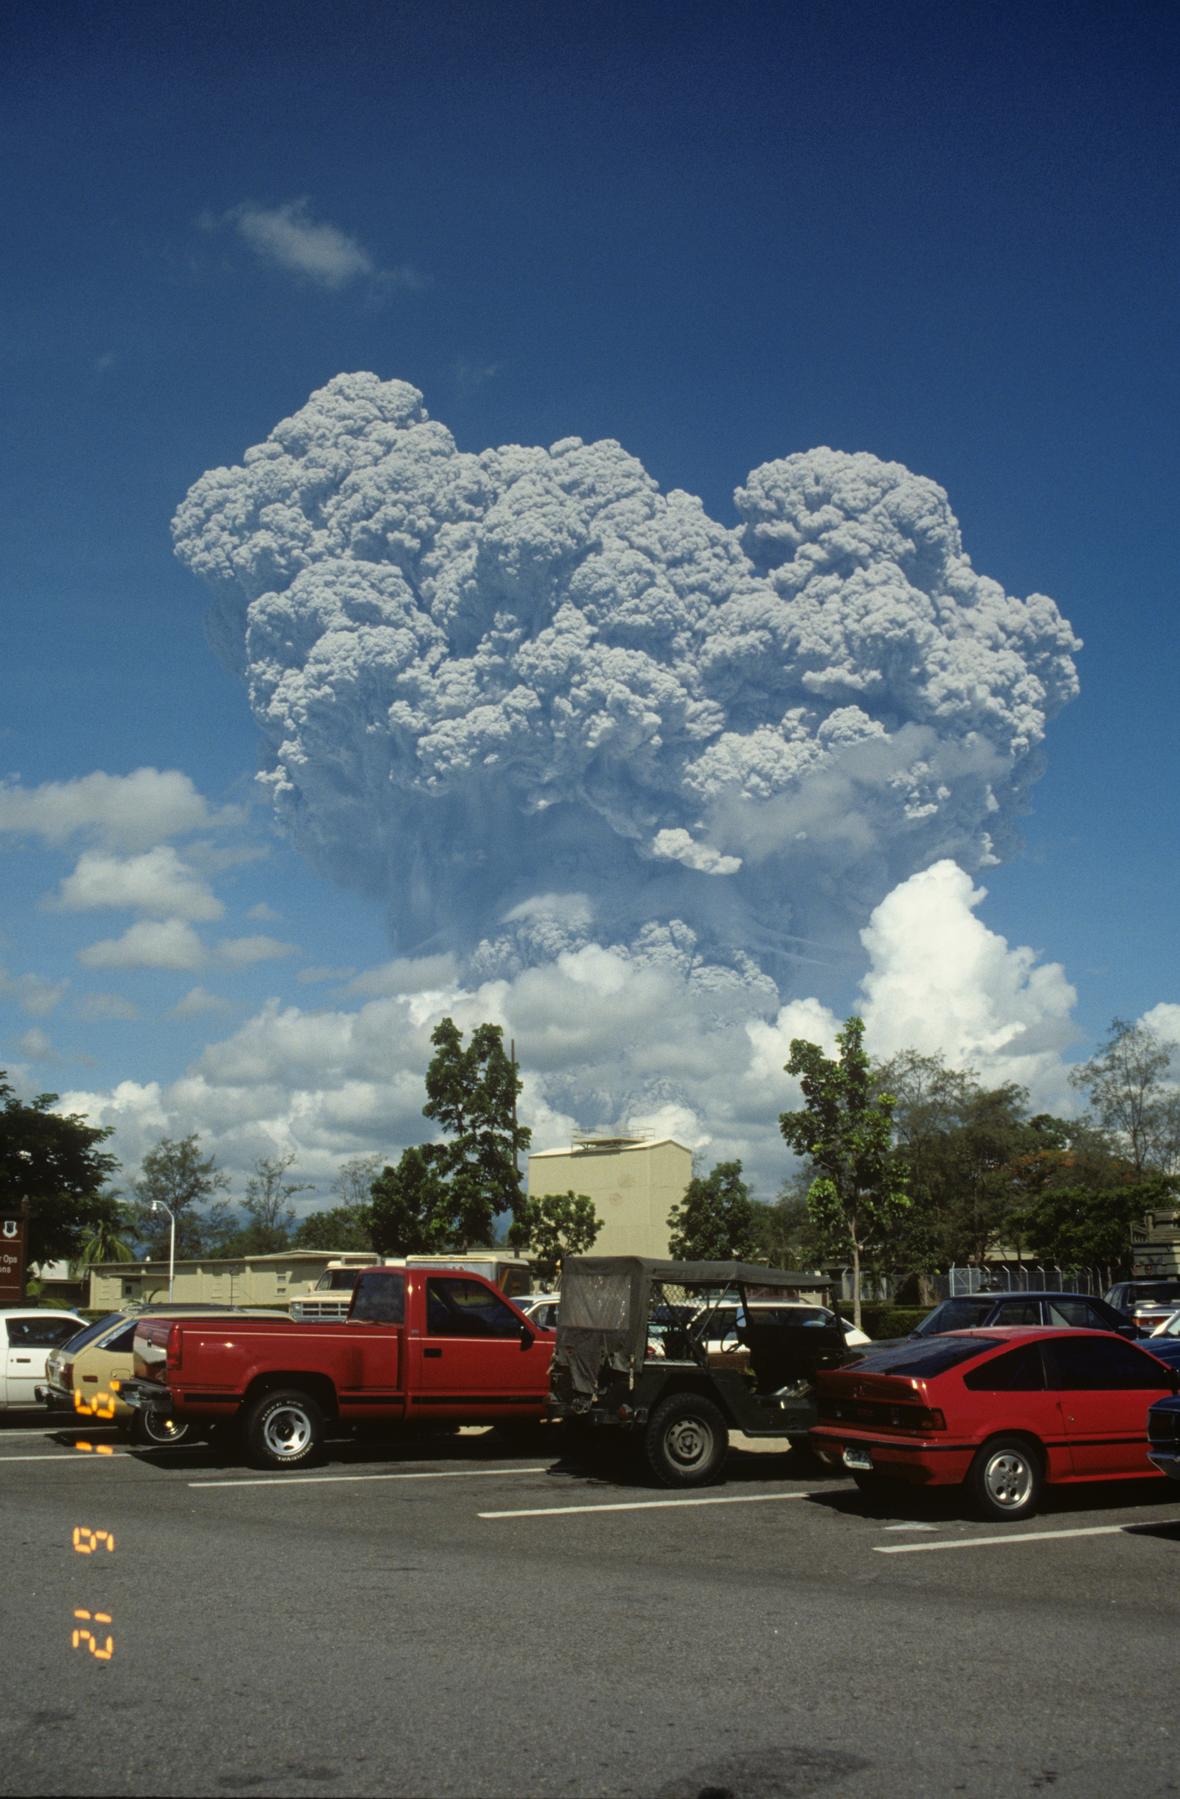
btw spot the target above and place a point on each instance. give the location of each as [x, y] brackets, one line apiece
[104, 1455]
[8, 1435]
[1020, 1536]
[643, 1505]
[279, 1479]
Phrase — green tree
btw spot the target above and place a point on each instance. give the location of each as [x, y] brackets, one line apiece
[334, 1227]
[715, 1221]
[845, 1130]
[57, 1163]
[105, 1240]
[347, 1225]
[784, 1232]
[553, 1227]
[1130, 1097]
[471, 1095]
[411, 1208]
[175, 1174]
[269, 1216]
[1086, 1227]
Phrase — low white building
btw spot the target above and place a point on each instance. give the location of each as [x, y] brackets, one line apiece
[262, 1280]
[633, 1182]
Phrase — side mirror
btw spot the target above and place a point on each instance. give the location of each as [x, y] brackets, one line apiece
[527, 1338]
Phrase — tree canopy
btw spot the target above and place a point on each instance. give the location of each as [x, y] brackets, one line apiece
[175, 1174]
[845, 1130]
[552, 1227]
[471, 1093]
[716, 1219]
[1130, 1098]
[57, 1163]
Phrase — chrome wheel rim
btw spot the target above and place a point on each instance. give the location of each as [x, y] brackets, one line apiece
[287, 1432]
[1008, 1480]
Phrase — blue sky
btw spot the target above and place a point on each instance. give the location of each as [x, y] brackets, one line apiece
[721, 234]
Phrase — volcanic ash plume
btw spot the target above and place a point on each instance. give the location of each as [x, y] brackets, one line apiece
[524, 696]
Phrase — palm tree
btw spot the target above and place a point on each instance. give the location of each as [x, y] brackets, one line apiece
[102, 1242]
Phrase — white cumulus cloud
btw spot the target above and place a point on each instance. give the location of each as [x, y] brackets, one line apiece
[648, 1036]
[166, 943]
[197, 1002]
[128, 812]
[291, 238]
[239, 952]
[32, 992]
[158, 881]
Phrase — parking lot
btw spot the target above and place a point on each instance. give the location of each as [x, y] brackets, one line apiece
[448, 1618]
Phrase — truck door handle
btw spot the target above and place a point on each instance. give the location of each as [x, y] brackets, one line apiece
[431, 1353]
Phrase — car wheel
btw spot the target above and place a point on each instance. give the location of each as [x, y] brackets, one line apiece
[1006, 1478]
[157, 1430]
[685, 1441]
[283, 1430]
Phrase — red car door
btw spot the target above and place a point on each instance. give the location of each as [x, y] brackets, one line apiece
[1104, 1387]
[1010, 1394]
[475, 1351]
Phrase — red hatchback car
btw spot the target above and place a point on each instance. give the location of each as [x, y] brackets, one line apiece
[1003, 1410]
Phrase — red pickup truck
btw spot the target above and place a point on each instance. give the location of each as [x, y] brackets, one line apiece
[418, 1346]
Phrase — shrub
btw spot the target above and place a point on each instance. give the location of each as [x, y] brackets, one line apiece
[890, 1321]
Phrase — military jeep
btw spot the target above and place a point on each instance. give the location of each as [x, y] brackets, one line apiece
[642, 1360]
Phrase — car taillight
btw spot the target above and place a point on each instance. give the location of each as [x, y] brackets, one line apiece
[67, 1374]
[172, 1348]
[929, 1418]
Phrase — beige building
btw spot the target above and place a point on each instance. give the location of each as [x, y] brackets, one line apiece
[269, 1280]
[633, 1181]
[1155, 1247]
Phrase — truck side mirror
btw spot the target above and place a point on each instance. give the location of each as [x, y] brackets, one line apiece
[527, 1338]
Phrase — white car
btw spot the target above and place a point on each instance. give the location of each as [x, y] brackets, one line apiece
[540, 1308]
[27, 1335]
[723, 1344]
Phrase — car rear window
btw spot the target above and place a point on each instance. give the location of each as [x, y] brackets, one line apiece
[955, 1315]
[83, 1337]
[917, 1357]
[379, 1298]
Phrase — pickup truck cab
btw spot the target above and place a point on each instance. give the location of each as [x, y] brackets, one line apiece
[418, 1346]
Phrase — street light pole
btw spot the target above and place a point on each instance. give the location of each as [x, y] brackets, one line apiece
[159, 1206]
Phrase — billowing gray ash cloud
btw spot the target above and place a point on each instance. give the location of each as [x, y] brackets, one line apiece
[490, 682]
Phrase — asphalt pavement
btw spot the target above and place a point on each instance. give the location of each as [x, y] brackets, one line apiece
[453, 1619]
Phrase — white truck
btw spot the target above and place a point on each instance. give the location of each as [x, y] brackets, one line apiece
[332, 1293]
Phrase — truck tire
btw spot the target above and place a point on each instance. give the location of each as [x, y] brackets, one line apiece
[283, 1430]
[685, 1441]
[155, 1430]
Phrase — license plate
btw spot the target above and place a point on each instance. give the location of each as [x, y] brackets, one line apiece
[857, 1458]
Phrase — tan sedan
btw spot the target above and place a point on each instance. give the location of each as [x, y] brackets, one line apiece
[85, 1373]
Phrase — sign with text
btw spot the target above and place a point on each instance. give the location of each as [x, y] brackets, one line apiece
[13, 1238]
